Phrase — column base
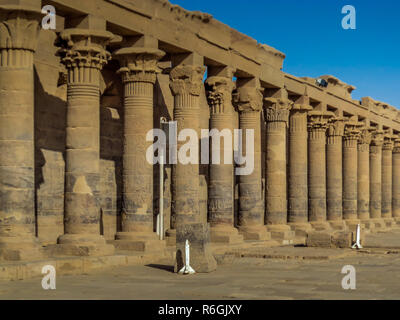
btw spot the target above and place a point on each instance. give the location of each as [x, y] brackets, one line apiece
[379, 223]
[257, 233]
[368, 224]
[330, 239]
[84, 245]
[201, 257]
[282, 232]
[138, 241]
[352, 224]
[397, 221]
[321, 225]
[301, 229]
[20, 249]
[390, 222]
[225, 234]
[338, 225]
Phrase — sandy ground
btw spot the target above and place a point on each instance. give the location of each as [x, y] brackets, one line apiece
[377, 277]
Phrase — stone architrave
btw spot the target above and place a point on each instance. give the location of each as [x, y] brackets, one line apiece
[248, 102]
[139, 73]
[317, 126]
[221, 176]
[186, 84]
[276, 112]
[19, 31]
[83, 55]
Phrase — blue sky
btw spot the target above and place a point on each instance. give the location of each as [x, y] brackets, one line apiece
[310, 33]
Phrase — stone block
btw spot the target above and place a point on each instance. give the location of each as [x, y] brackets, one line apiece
[319, 239]
[342, 239]
[139, 245]
[201, 257]
[254, 233]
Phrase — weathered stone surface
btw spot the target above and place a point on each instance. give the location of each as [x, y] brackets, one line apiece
[298, 160]
[276, 111]
[317, 126]
[73, 135]
[221, 178]
[334, 170]
[201, 258]
[19, 28]
[248, 102]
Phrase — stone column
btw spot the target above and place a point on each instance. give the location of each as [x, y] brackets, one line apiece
[396, 181]
[139, 72]
[363, 177]
[83, 55]
[251, 209]
[276, 112]
[298, 160]
[19, 28]
[334, 178]
[317, 126]
[350, 163]
[387, 158]
[186, 85]
[221, 178]
[375, 164]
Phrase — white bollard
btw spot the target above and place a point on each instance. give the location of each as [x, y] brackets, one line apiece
[357, 245]
[187, 269]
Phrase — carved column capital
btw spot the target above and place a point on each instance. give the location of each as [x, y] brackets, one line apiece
[219, 94]
[388, 143]
[352, 131]
[300, 108]
[187, 80]
[83, 48]
[365, 139]
[377, 138]
[319, 120]
[19, 30]
[277, 109]
[248, 99]
[365, 136]
[139, 64]
[336, 127]
[396, 148]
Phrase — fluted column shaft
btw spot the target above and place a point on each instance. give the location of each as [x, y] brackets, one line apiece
[186, 82]
[376, 177]
[334, 179]
[298, 159]
[221, 176]
[350, 163]
[18, 37]
[318, 123]
[396, 179]
[387, 185]
[186, 85]
[250, 188]
[137, 193]
[277, 116]
[82, 156]
[248, 102]
[363, 175]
